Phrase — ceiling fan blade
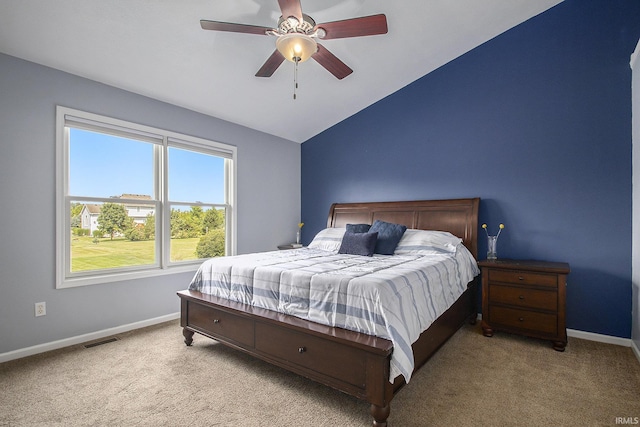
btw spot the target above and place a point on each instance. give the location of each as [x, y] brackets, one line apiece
[291, 8]
[234, 28]
[355, 27]
[271, 65]
[331, 62]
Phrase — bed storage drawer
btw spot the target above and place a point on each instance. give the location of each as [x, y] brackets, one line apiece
[313, 353]
[222, 324]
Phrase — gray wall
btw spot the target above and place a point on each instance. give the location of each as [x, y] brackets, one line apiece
[268, 203]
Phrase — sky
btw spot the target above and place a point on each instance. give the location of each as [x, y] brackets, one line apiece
[102, 165]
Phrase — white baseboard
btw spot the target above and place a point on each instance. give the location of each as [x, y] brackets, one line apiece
[608, 339]
[54, 345]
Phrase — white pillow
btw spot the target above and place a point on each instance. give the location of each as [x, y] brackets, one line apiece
[425, 242]
[328, 239]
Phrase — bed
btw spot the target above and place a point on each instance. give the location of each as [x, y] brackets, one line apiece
[356, 363]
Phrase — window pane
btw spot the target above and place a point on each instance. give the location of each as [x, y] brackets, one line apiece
[111, 235]
[102, 165]
[197, 232]
[195, 177]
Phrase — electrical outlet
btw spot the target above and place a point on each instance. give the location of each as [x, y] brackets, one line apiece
[41, 309]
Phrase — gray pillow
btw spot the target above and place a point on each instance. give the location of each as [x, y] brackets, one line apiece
[358, 228]
[358, 243]
[389, 234]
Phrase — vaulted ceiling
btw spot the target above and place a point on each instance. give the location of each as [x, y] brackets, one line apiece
[157, 48]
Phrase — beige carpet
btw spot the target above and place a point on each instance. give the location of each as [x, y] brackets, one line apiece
[150, 378]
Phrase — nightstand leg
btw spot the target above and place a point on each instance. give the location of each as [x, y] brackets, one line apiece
[559, 345]
[487, 330]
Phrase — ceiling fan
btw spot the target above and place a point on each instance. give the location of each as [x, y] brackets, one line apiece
[297, 35]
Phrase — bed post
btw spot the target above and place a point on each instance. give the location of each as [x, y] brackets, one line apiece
[188, 336]
[184, 316]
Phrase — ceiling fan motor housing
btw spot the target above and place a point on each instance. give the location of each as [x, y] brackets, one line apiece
[292, 25]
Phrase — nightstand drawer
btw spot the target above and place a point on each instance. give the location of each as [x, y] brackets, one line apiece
[524, 319]
[523, 278]
[524, 297]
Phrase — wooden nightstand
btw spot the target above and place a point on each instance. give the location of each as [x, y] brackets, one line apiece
[525, 297]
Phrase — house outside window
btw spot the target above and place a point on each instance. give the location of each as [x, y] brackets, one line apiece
[135, 201]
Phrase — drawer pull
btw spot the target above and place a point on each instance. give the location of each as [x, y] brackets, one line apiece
[216, 320]
[521, 319]
[302, 349]
[521, 297]
[520, 278]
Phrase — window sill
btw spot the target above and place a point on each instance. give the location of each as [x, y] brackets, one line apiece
[124, 276]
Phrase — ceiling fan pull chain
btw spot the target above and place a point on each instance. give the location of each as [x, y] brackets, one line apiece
[295, 77]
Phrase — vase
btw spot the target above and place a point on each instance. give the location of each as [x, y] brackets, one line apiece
[298, 237]
[492, 247]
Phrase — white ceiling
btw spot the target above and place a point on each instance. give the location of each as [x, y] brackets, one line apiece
[156, 48]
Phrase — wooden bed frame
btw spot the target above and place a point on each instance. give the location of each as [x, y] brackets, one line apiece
[352, 362]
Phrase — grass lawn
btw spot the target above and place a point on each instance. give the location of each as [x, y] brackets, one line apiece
[87, 255]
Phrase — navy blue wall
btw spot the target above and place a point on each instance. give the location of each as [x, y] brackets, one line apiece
[536, 122]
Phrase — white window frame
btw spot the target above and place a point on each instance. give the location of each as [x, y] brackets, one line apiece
[162, 140]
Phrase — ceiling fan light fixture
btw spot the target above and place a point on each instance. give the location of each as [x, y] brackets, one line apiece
[296, 47]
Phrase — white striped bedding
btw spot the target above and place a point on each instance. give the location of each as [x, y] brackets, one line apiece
[395, 297]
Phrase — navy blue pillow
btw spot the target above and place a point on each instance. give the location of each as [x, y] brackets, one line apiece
[358, 228]
[358, 243]
[389, 235]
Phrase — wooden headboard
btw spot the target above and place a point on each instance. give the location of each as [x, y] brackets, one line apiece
[457, 216]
